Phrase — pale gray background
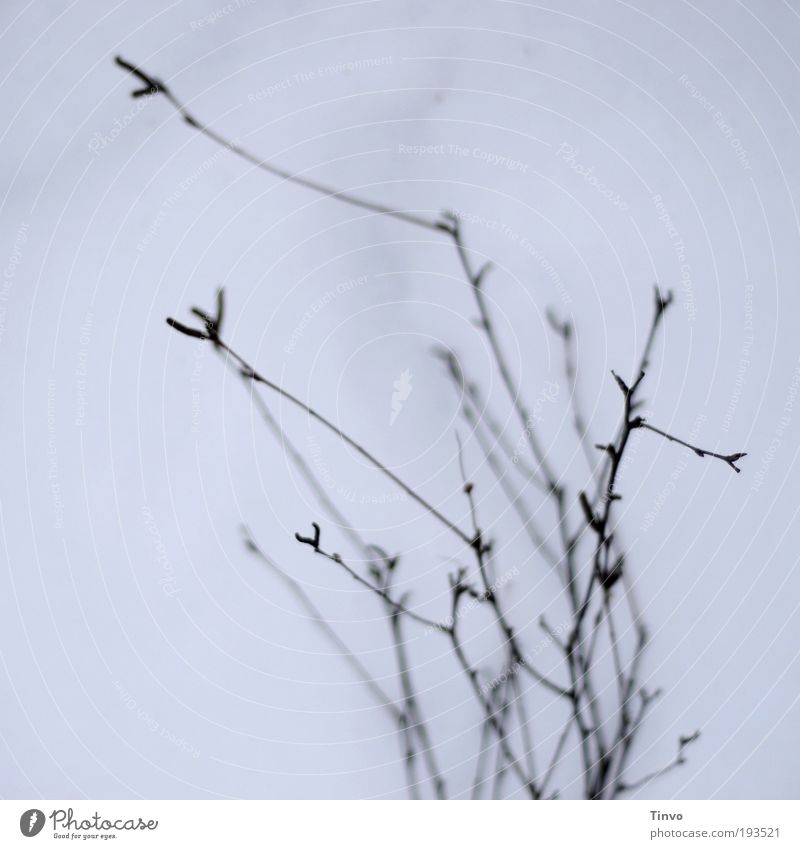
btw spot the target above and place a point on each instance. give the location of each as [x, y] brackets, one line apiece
[143, 652]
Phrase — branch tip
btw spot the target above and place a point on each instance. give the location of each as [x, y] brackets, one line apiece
[312, 541]
[187, 331]
[151, 84]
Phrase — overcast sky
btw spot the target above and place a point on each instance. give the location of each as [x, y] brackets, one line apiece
[592, 150]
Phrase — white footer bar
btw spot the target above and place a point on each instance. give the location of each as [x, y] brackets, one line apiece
[401, 825]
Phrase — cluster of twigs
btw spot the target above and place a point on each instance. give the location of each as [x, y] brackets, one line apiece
[588, 560]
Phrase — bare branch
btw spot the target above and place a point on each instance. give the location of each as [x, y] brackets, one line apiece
[313, 542]
[489, 709]
[153, 86]
[730, 459]
[679, 760]
[566, 331]
[416, 723]
[250, 373]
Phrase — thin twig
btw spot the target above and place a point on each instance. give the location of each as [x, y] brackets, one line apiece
[555, 758]
[500, 765]
[730, 459]
[481, 550]
[247, 371]
[314, 544]
[479, 778]
[478, 425]
[412, 709]
[310, 477]
[523, 720]
[679, 760]
[475, 279]
[661, 302]
[155, 87]
[566, 331]
[485, 703]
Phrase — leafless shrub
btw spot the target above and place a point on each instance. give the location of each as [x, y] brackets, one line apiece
[587, 559]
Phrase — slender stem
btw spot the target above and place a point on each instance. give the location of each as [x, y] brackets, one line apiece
[401, 608]
[478, 424]
[661, 304]
[518, 659]
[479, 779]
[524, 720]
[604, 499]
[412, 708]
[472, 396]
[305, 470]
[154, 86]
[615, 649]
[410, 714]
[514, 658]
[409, 758]
[405, 685]
[500, 765]
[730, 459]
[556, 757]
[250, 373]
[678, 760]
[488, 708]
[566, 332]
[600, 575]
[475, 278]
[629, 725]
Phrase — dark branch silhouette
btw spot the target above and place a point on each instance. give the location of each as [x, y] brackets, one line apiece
[583, 549]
